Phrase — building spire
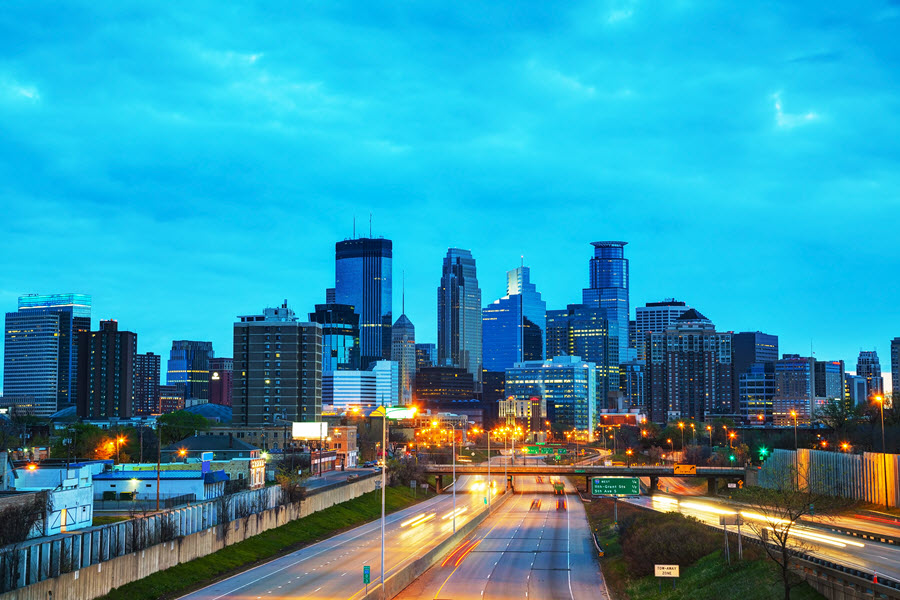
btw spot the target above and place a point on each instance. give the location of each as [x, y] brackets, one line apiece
[354, 227]
[403, 293]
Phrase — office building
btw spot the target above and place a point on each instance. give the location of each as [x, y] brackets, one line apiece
[362, 273]
[106, 376]
[855, 390]
[583, 331]
[459, 315]
[895, 367]
[146, 384]
[868, 366]
[403, 353]
[426, 356]
[41, 348]
[221, 380]
[689, 370]
[171, 399]
[756, 390]
[340, 336]
[608, 291]
[513, 327]
[653, 317]
[188, 367]
[379, 384]
[566, 385]
[277, 369]
[750, 348]
[794, 399]
[829, 381]
[438, 387]
[632, 384]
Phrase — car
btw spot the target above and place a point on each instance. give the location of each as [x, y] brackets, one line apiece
[353, 477]
[369, 464]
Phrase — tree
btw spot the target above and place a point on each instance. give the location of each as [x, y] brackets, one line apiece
[839, 415]
[403, 470]
[178, 425]
[9, 434]
[778, 509]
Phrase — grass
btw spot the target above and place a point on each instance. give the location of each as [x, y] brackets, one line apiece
[197, 573]
[109, 519]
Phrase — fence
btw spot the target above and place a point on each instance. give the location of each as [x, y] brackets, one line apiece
[870, 477]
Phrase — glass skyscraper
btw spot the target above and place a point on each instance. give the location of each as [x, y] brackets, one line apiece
[188, 368]
[514, 326]
[362, 278]
[403, 352]
[566, 386]
[459, 315]
[868, 366]
[609, 291]
[895, 369]
[340, 336]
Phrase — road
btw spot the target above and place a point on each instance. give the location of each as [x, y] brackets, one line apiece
[536, 546]
[333, 568]
[329, 477]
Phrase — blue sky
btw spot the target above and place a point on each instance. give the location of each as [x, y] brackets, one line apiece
[188, 162]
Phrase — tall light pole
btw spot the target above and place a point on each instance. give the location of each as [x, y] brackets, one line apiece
[709, 429]
[453, 442]
[794, 415]
[490, 481]
[383, 485]
[880, 401]
[681, 427]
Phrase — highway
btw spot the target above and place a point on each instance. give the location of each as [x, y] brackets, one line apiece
[536, 546]
[333, 568]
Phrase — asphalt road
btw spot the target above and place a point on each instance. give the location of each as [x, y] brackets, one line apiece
[536, 546]
[333, 568]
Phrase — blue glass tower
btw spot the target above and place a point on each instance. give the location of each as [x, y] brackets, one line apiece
[514, 326]
[340, 336]
[459, 315]
[609, 291]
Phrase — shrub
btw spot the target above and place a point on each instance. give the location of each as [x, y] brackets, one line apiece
[668, 538]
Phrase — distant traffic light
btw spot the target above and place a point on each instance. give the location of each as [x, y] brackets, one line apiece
[731, 458]
[763, 452]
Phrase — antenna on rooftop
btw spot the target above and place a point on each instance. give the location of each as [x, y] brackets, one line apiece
[370, 225]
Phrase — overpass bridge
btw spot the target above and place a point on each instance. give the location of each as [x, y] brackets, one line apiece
[711, 474]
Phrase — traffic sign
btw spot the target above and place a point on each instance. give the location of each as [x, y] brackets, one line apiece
[615, 486]
[685, 469]
[367, 572]
[666, 570]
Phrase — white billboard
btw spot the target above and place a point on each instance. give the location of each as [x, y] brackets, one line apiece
[309, 431]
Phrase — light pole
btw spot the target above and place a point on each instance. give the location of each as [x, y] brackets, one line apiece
[794, 415]
[880, 401]
[693, 433]
[490, 481]
[681, 427]
[453, 442]
[383, 486]
[709, 429]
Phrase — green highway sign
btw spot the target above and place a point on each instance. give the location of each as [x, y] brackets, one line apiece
[544, 450]
[615, 486]
[366, 574]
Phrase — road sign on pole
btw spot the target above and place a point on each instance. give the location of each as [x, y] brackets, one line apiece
[367, 574]
[615, 486]
[666, 570]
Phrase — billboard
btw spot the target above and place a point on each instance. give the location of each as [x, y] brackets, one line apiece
[309, 431]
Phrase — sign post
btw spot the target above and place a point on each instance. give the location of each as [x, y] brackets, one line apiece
[666, 572]
[367, 573]
[413, 484]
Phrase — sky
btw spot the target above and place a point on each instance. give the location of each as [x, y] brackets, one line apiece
[185, 163]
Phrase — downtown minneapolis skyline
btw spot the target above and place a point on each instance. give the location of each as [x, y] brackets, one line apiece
[188, 164]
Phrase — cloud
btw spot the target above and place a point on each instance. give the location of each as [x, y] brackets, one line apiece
[786, 120]
[17, 91]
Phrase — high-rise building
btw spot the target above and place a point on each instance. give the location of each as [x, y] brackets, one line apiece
[583, 331]
[756, 389]
[403, 352]
[829, 381]
[426, 356]
[221, 380]
[459, 315]
[895, 368]
[377, 385]
[750, 348]
[106, 376]
[27, 371]
[362, 274]
[654, 317]
[855, 390]
[566, 386]
[608, 291]
[689, 370]
[277, 369]
[340, 336]
[438, 387]
[794, 399]
[632, 383]
[188, 367]
[146, 383]
[513, 327]
[868, 366]
[171, 398]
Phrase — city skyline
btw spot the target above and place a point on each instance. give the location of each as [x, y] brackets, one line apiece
[214, 162]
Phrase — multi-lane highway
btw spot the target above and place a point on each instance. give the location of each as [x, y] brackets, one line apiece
[536, 546]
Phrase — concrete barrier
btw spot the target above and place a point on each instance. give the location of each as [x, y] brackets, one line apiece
[400, 579]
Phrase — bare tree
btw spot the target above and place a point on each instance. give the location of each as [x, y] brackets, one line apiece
[223, 514]
[168, 527]
[17, 523]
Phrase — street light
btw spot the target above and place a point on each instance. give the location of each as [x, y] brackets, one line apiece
[709, 429]
[794, 415]
[119, 441]
[681, 427]
[731, 437]
[880, 401]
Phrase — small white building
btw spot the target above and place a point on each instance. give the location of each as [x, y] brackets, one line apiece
[141, 485]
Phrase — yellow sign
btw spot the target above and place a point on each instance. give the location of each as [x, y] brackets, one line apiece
[685, 469]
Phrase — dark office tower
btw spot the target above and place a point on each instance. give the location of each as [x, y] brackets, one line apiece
[362, 274]
[459, 315]
[689, 370]
[426, 356]
[73, 313]
[895, 368]
[106, 376]
[221, 380]
[609, 291]
[440, 387]
[277, 369]
[868, 366]
[654, 317]
[188, 368]
[31, 359]
[146, 384]
[631, 382]
[583, 331]
[750, 348]
[829, 381]
[340, 336]
[513, 326]
[403, 352]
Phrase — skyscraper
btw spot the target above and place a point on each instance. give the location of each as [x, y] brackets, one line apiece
[188, 367]
[106, 376]
[340, 336]
[146, 384]
[895, 369]
[689, 370]
[514, 326]
[277, 369]
[403, 352]
[794, 399]
[654, 317]
[377, 385]
[426, 356]
[565, 385]
[73, 312]
[868, 366]
[459, 315]
[608, 291]
[754, 348]
[31, 358]
[221, 380]
[362, 277]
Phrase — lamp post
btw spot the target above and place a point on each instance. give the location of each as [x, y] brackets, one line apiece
[731, 437]
[681, 427]
[490, 481]
[880, 401]
[453, 442]
[693, 432]
[794, 415]
[709, 429]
